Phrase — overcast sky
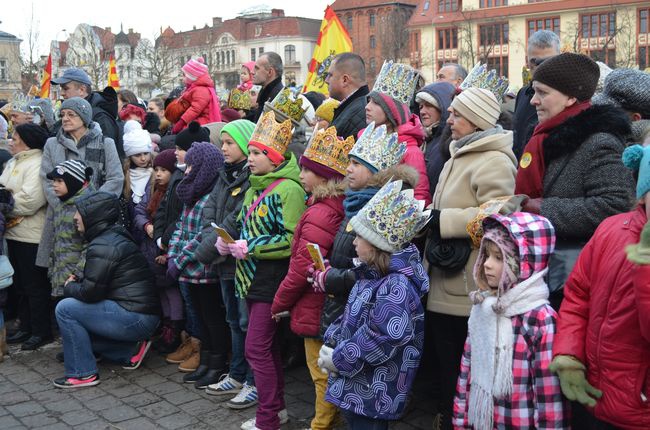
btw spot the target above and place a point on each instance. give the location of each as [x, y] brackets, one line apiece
[146, 17]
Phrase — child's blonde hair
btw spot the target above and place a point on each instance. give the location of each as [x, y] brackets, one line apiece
[126, 165]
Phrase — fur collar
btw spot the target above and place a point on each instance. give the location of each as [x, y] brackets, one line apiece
[330, 188]
[568, 136]
[402, 171]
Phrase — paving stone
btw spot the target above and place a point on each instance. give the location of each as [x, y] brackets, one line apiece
[24, 377]
[158, 410]
[165, 388]
[51, 395]
[8, 421]
[138, 424]
[25, 408]
[57, 426]
[125, 390]
[183, 396]
[101, 403]
[141, 399]
[148, 379]
[65, 405]
[177, 421]
[38, 420]
[198, 407]
[74, 418]
[89, 393]
[95, 425]
[13, 398]
[119, 413]
[39, 386]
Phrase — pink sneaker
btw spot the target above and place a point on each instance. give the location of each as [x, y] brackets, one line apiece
[87, 381]
[138, 358]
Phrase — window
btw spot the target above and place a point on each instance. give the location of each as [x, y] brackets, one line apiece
[495, 34]
[643, 56]
[492, 3]
[426, 5]
[205, 58]
[448, 38]
[232, 55]
[598, 25]
[252, 54]
[448, 5]
[289, 54]
[228, 58]
[551, 23]
[493, 47]
[372, 65]
[598, 33]
[260, 50]
[138, 72]
[349, 22]
[372, 19]
[644, 16]
[373, 42]
[3, 70]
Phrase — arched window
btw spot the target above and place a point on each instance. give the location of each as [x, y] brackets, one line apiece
[289, 54]
[373, 42]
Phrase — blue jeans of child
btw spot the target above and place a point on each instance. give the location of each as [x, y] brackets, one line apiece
[104, 327]
[237, 318]
[359, 422]
[192, 325]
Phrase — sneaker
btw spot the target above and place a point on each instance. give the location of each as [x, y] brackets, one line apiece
[138, 358]
[87, 381]
[251, 425]
[246, 398]
[226, 385]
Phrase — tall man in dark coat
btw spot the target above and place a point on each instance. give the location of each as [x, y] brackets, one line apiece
[267, 73]
[347, 83]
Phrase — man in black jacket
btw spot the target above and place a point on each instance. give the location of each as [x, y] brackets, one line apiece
[115, 308]
[346, 79]
[267, 73]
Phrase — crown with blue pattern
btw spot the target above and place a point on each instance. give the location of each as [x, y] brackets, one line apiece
[398, 81]
[377, 149]
[481, 77]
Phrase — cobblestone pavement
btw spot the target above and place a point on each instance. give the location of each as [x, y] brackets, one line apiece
[151, 397]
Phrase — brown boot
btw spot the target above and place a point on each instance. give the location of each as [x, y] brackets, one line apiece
[182, 352]
[3, 343]
[192, 362]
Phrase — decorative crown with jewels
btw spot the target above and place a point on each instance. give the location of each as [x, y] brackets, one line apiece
[285, 105]
[239, 99]
[480, 77]
[398, 81]
[391, 218]
[326, 148]
[269, 132]
[21, 103]
[377, 149]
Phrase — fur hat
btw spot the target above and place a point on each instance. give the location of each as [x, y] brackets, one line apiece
[81, 107]
[574, 75]
[628, 89]
[192, 133]
[478, 106]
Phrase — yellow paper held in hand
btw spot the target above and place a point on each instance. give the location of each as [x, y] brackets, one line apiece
[223, 234]
[316, 256]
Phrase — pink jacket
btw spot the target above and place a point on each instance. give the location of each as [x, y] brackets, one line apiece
[204, 103]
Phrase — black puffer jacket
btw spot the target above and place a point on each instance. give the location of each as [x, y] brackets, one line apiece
[115, 267]
[222, 208]
[166, 217]
[350, 116]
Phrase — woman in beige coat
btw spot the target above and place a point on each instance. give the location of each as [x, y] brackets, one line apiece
[24, 228]
[482, 167]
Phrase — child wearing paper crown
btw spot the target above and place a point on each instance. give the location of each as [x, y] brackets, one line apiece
[70, 181]
[372, 352]
[602, 347]
[323, 167]
[267, 221]
[505, 380]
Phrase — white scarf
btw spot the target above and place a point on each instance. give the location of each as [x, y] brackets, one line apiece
[492, 342]
[140, 177]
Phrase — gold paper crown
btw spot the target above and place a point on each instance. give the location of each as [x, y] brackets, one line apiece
[328, 149]
[273, 134]
[288, 106]
[240, 99]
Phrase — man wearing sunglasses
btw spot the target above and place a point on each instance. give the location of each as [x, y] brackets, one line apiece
[542, 45]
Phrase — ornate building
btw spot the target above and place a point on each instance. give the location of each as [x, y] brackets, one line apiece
[10, 80]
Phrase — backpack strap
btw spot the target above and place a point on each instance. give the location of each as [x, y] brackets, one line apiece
[266, 191]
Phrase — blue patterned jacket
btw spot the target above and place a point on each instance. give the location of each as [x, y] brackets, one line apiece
[378, 340]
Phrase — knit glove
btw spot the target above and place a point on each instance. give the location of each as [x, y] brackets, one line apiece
[573, 381]
[222, 247]
[173, 272]
[239, 249]
[180, 125]
[325, 362]
[317, 277]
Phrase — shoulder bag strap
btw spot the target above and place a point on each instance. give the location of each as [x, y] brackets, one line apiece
[266, 191]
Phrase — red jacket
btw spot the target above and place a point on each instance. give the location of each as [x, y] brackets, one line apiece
[318, 224]
[412, 133]
[200, 95]
[604, 321]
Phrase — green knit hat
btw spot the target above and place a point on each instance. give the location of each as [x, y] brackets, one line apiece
[241, 131]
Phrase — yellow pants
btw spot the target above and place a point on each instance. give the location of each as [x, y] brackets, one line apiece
[326, 413]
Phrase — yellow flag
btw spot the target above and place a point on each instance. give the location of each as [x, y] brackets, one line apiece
[47, 76]
[333, 39]
[113, 80]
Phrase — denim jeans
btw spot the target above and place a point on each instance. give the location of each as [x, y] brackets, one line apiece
[359, 422]
[104, 327]
[237, 318]
[192, 325]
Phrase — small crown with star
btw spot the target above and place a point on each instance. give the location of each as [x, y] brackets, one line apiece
[285, 105]
[398, 81]
[378, 149]
[239, 99]
[269, 132]
[391, 218]
[326, 148]
[480, 77]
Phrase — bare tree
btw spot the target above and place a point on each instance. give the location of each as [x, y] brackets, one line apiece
[158, 62]
[85, 51]
[30, 56]
[394, 34]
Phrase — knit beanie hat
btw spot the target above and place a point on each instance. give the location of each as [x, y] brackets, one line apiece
[574, 75]
[194, 69]
[628, 89]
[396, 112]
[192, 133]
[637, 157]
[166, 159]
[81, 107]
[501, 237]
[33, 135]
[74, 173]
[135, 139]
[478, 106]
[206, 161]
[229, 115]
[241, 131]
[326, 109]
[428, 93]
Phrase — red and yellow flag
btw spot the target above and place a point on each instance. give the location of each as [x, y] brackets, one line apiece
[47, 76]
[113, 80]
[333, 39]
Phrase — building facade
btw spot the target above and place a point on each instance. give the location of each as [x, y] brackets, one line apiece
[616, 32]
[10, 73]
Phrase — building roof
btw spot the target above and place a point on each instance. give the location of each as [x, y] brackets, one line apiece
[7, 36]
[340, 5]
[122, 39]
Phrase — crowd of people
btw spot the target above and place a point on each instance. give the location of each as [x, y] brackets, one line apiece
[379, 230]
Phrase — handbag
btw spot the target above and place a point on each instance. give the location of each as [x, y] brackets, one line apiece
[449, 255]
[175, 110]
[561, 263]
[6, 272]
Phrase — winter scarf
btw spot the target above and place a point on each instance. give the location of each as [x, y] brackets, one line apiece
[234, 170]
[156, 199]
[357, 199]
[492, 340]
[530, 175]
[206, 160]
[140, 177]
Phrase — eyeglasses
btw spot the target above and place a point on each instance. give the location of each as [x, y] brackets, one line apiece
[70, 115]
[537, 61]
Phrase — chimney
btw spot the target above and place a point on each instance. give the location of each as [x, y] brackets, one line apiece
[216, 21]
[108, 29]
[194, 27]
[130, 31]
[277, 12]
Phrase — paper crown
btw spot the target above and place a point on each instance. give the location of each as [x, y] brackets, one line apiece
[326, 148]
[480, 77]
[269, 132]
[239, 99]
[391, 218]
[377, 149]
[21, 103]
[397, 81]
[286, 106]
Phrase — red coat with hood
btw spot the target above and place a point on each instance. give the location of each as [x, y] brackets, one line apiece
[199, 96]
[604, 321]
[318, 224]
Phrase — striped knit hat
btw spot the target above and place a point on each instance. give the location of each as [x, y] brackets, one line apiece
[74, 173]
[240, 130]
[478, 106]
[396, 112]
[194, 69]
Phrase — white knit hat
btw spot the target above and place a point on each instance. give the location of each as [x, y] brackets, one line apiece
[478, 106]
[136, 140]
